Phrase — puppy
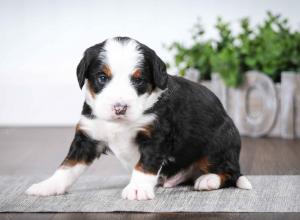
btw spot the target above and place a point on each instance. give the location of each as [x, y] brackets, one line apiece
[165, 129]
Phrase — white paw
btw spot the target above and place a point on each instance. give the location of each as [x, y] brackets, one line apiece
[46, 188]
[243, 183]
[138, 192]
[208, 182]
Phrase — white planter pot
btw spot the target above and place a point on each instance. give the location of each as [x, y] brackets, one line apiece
[260, 107]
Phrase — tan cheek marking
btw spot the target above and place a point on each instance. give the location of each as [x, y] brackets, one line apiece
[150, 88]
[89, 86]
[147, 130]
[107, 71]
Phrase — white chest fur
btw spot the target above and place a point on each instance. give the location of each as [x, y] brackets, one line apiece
[119, 136]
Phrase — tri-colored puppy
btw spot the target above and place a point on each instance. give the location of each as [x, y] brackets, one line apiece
[165, 129]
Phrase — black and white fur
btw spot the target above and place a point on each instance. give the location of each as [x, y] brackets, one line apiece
[165, 129]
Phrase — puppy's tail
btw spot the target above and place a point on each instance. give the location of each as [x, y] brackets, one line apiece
[243, 183]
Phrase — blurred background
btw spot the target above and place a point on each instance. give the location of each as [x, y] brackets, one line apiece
[41, 43]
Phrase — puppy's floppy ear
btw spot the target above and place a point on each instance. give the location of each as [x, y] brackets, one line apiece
[83, 66]
[160, 76]
[81, 70]
[157, 66]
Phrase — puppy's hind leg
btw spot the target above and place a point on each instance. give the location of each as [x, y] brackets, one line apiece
[82, 152]
[182, 176]
[223, 171]
[212, 181]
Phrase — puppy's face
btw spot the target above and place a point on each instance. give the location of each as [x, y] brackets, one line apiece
[122, 78]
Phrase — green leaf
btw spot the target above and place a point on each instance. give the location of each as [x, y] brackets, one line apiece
[270, 47]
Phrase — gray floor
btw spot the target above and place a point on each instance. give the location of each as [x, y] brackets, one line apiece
[38, 151]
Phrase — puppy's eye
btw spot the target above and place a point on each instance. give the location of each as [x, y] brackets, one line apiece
[103, 78]
[137, 81]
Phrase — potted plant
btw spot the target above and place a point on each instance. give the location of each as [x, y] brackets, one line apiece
[255, 73]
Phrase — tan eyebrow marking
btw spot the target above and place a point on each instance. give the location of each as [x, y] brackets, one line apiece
[136, 73]
[107, 70]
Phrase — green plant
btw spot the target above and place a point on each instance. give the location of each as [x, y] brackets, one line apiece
[271, 47]
[225, 59]
[197, 56]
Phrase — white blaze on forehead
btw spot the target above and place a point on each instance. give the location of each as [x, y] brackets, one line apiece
[121, 56]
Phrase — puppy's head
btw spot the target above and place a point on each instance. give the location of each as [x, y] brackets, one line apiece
[123, 78]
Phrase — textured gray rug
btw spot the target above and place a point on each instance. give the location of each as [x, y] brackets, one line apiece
[96, 194]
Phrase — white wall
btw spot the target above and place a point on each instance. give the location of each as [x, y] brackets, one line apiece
[41, 43]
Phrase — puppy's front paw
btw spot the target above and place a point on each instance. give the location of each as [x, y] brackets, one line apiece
[46, 188]
[138, 192]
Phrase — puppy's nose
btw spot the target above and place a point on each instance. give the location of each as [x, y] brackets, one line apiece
[120, 109]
